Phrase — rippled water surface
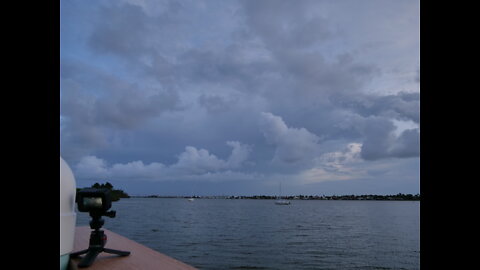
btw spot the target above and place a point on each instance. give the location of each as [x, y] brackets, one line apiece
[257, 234]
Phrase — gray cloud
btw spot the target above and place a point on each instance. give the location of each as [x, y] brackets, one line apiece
[286, 24]
[283, 26]
[292, 144]
[407, 145]
[124, 33]
[417, 76]
[381, 142]
[95, 102]
[191, 162]
[215, 103]
[142, 81]
[133, 106]
[378, 138]
[402, 106]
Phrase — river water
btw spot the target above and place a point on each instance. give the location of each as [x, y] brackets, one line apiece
[257, 234]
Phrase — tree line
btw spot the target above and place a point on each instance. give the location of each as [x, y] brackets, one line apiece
[370, 197]
[397, 197]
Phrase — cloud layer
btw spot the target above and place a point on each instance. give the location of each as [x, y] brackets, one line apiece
[192, 162]
[309, 91]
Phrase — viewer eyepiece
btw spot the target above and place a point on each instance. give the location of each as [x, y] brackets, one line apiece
[95, 200]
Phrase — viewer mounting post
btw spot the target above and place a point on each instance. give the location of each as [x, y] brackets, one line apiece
[96, 202]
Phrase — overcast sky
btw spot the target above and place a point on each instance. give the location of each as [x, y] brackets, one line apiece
[235, 97]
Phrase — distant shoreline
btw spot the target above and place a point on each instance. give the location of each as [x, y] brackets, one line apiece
[397, 197]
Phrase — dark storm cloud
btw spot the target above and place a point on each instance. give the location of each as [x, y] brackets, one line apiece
[407, 145]
[216, 103]
[143, 42]
[99, 98]
[381, 142]
[315, 76]
[95, 103]
[124, 33]
[226, 66]
[378, 138]
[284, 26]
[404, 106]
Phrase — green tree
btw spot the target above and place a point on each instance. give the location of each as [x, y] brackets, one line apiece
[108, 185]
[115, 194]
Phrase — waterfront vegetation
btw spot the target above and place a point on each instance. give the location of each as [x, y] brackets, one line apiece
[116, 194]
[370, 197]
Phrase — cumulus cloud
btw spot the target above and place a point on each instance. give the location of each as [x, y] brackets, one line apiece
[336, 160]
[200, 161]
[292, 144]
[137, 169]
[192, 162]
[91, 166]
[380, 140]
[240, 154]
[348, 164]
[337, 165]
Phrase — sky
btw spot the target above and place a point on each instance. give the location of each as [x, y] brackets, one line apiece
[238, 97]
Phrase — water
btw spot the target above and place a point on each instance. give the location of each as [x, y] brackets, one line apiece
[257, 234]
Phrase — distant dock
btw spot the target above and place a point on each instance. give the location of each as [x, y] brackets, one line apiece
[141, 257]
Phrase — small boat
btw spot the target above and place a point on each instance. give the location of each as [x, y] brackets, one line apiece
[191, 199]
[281, 201]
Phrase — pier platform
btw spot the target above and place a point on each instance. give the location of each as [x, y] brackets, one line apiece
[140, 258]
